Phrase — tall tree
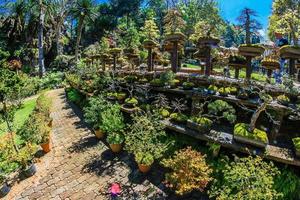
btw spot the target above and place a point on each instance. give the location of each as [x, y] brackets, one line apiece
[285, 19]
[82, 11]
[249, 23]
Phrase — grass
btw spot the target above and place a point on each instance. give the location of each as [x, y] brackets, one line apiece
[21, 116]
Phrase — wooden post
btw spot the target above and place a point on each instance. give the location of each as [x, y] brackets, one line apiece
[236, 73]
[269, 74]
[292, 67]
[150, 60]
[249, 68]
[208, 62]
[174, 58]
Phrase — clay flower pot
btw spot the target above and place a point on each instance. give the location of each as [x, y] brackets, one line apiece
[144, 168]
[116, 148]
[99, 134]
[46, 147]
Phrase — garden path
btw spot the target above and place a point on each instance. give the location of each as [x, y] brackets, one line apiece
[82, 167]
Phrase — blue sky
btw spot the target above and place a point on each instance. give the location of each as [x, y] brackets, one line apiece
[230, 9]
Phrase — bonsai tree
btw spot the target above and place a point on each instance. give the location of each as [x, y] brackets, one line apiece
[178, 105]
[189, 171]
[220, 109]
[151, 34]
[237, 176]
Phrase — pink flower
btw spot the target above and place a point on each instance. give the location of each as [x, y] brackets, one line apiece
[115, 189]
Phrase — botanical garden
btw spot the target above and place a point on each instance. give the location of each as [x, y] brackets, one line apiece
[149, 99]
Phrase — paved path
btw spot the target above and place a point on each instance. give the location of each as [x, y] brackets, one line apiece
[82, 167]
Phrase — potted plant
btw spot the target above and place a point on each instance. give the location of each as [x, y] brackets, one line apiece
[146, 139]
[201, 124]
[284, 100]
[179, 118]
[256, 138]
[224, 91]
[121, 96]
[115, 141]
[92, 113]
[221, 110]
[296, 142]
[45, 138]
[156, 83]
[188, 85]
[233, 90]
[144, 161]
[25, 158]
[214, 148]
[131, 102]
[212, 89]
[243, 94]
[164, 112]
[113, 124]
[174, 83]
[4, 187]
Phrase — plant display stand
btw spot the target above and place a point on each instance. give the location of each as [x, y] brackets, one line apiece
[292, 53]
[250, 52]
[172, 44]
[206, 44]
[150, 45]
[115, 52]
[270, 66]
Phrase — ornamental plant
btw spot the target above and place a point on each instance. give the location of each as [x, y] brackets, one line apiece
[146, 135]
[248, 178]
[220, 109]
[112, 120]
[189, 171]
[26, 154]
[115, 138]
[94, 108]
[144, 158]
[174, 22]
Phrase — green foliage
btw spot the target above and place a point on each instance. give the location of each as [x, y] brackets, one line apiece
[241, 129]
[43, 105]
[62, 62]
[93, 109]
[112, 120]
[115, 138]
[74, 96]
[132, 101]
[26, 154]
[221, 109]
[188, 85]
[248, 178]
[296, 142]
[178, 117]
[173, 21]
[51, 80]
[189, 171]
[283, 99]
[157, 82]
[203, 121]
[146, 135]
[213, 88]
[224, 90]
[287, 183]
[167, 77]
[131, 38]
[164, 112]
[150, 30]
[205, 29]
[144, 158]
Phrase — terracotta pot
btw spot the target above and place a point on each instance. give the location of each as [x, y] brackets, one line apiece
[116, 148]
[99, 134]
[46, 147]
[144, 168]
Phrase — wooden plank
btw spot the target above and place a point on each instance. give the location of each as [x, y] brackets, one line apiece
[226, 140]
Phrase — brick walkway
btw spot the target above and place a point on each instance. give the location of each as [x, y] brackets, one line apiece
[82, 167]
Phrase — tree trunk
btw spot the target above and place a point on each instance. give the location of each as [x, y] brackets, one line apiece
[57, 40]
[40, 41]
[247, 27]
[256, 115]
[249, 68]
[208, 62]
[79, 32]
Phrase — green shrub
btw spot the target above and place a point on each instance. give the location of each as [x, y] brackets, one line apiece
[213, 88]
[188, 85]
[144, 158]
[220, 108]
[26, 154]
[43, 105]
[156, 82]
[62, 62]
[93, 109]
[133, 101]
[52, 80]
[296, 142]
[283, 99]
[112, 120]
[246, 178]
[167, 77]
[74, 96]
[241, 129]
[164, 112]
[224, 90]
[203, 121]
[287, 183]
[115, 138]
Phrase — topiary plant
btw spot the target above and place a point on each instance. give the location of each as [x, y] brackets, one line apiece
[189, 171]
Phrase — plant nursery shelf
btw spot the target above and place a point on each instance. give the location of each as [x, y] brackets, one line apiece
[226, 140]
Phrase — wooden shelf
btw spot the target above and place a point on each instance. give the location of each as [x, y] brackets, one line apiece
[226, 140]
